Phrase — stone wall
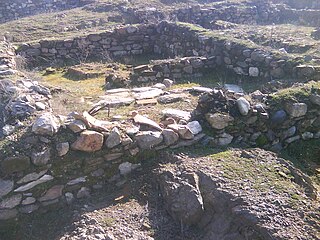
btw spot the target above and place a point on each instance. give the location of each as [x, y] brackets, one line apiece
[55, 163]
[13, 9]
[258, 120]
[168, 40]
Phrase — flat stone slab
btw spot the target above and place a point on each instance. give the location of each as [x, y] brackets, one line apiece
[233, 88]
[151, 101]
[177, 114]
[201, 90]
[152, 93]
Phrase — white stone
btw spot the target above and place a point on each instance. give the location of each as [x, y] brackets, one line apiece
[243, 106]
[253, 71]
[31, 185]
[46, 124]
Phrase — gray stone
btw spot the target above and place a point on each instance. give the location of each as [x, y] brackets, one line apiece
[29, 208]
[201, 90]
[114, 138]
[177, 114]
[69, 197]
[183, 130]
[307, 136]
[296, 109]
[233, 88]
[289, 132]
[28, 201]
[195, 127]
[41, 158]
[167, 82]
[32, 177]
[170, 137]
[292, 139]
[126, 168]
[77, 126]
[8, 130]
[171, 98]
[219, 120]
[40, 106]
[160, 86]
[315, 99]
[224, 139]
[84, 192]
[142, 120]
[6, 186]
[305, 70]
[62, 148]
[31, 185]
[46, 124]
[148, 139]
[243, 106]
[77, 181]
[253, 71]
[11, 202]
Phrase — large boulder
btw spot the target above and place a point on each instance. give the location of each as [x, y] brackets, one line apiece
[88, 141]
[46, 124]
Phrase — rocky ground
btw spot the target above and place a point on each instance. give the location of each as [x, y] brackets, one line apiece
[233, 194]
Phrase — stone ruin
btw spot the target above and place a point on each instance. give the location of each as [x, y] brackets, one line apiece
[62, 158]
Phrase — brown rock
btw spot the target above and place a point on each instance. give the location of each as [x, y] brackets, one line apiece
[88, 141]
[53, 193]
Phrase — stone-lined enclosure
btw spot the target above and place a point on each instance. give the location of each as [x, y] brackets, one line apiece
[168, 40]
[13, 9]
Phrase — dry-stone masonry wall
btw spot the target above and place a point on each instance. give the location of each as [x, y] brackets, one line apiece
[13, 9]
[167, 40]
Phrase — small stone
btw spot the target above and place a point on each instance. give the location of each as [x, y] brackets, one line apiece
[88, 141]
[160, 86]
[296, 109]
[84, 192]
[32, 177]
[289, 132]
[40, 106]
[28, 201]
[114, 138]
[62, 148]
[77, 181]
[243, 106]
[167, 82]
[69, 197]
[126, 168]
[53, 193]
[77, 126]
[183, 130]
[11, 202]
[278, 117]
[46, 124]
[170, 137]
[224, 139]
[195, 127]
[292, 139]
[8, 130]
[29, 208]
[6, 186]
[41, 158]
[307, 136]
[253, 72]
[177, 114]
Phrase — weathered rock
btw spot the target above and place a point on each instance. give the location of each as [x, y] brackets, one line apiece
[278, 117]
[182, 197]
[152, 93]
[243, 106]
[305, 70]
[219, 120]
[84, 192]
[296, 109]
[224, 139]
[32, 177]
[114, 138]
[315, 99]
[170, 137]
[41, 158]
[6, 186]
[148, 139]
[112, 156]
[77, 181]
[15, 164]
[31, 185]
[167, 82]
[53, 193]
[62, 148]
[195, 127]
[146, 121]
[126, 168]
[177, 114]
[307, 136]
[289, 132]
[171, 98]
[46, 124]
[28, 201]
[8, 130]
[253, 72]
[160, 86]
[183, 130]
[233, 88]
[88, 141]
[69, 198]
[77, 126]
[11, 202]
